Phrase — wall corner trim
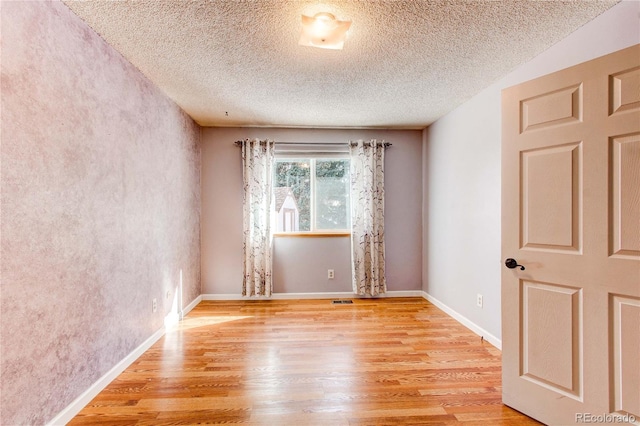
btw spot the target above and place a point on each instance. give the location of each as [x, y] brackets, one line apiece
[464, 321]
[191, 305]
[71, 410]
[327, 295]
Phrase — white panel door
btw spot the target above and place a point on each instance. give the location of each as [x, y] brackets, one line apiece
[571, 224]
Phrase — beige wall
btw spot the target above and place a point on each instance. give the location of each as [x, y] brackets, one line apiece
[100, 209]
[462, 174]
[300, 264]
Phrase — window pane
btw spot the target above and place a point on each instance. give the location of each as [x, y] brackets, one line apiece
[292, 192]
[332, 194]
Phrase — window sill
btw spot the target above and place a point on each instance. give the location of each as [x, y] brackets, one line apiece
[311, 234]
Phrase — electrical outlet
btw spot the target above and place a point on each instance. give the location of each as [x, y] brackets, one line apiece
[154, 305]
[479, 300]
[330, 274]
[168, 294]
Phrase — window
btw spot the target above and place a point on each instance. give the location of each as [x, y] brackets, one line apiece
[311, 194]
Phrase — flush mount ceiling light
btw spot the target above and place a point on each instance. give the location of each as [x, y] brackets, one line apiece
[323, 30]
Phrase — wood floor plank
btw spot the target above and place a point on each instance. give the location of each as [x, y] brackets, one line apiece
[309, 362]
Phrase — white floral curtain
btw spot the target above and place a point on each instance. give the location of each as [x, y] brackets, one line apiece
[257, 173]
[367, 217]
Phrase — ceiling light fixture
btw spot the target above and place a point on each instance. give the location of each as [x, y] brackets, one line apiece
[323, 30]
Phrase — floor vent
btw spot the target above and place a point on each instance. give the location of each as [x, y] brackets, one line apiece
[342, 302]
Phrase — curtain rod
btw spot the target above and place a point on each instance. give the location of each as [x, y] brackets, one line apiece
[386, 144]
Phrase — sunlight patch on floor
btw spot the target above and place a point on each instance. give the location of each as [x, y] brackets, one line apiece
[189, 323]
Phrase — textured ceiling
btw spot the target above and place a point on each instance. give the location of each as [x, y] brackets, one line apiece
[404, 65]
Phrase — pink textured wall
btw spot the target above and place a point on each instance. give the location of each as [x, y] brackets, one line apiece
[100, 202]
[300, 264]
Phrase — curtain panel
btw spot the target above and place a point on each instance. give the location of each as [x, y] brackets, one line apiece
[367, 217]
[257, 174]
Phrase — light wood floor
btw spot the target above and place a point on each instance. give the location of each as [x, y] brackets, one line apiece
[375, 362]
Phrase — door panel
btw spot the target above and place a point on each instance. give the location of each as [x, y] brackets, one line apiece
[551, 109]
[571, 216]
[551, 197]
[626, 349]
[625, 196]
[551, 336]
[624, 88]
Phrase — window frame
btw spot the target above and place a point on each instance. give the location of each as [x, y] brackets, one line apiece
[312, 157]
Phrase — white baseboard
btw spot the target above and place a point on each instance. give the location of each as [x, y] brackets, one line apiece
[327, 295]
[464, 321]
[80, 402]
[191, 305]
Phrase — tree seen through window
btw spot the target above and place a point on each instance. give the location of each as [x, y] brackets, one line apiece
[320, 189]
